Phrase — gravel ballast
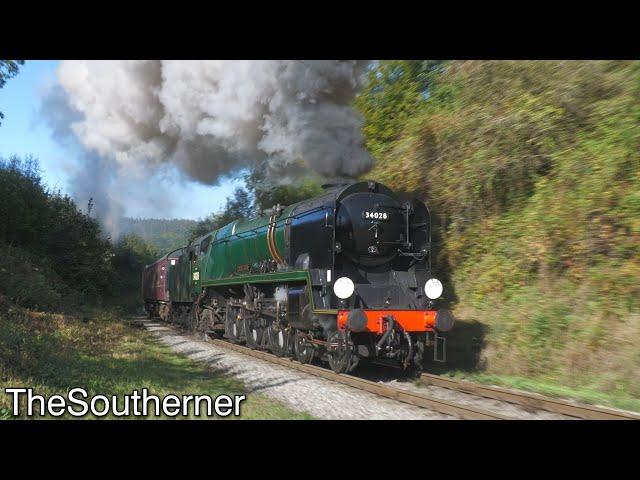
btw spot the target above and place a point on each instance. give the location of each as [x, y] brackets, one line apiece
[321, 398]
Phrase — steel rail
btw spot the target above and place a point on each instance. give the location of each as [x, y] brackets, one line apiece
[529, 400]
[524, 399]
[418, 400]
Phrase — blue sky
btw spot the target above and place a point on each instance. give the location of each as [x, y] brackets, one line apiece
[22, 133]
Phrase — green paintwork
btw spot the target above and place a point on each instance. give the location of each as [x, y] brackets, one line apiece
[240, 247]
[179, 279]
[238, 253]
[195, 276]
[292, 276]
[236, 250]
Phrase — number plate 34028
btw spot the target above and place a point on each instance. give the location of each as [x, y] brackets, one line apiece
[368, 215]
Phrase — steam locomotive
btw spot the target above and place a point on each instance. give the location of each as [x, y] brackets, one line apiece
[341, 277]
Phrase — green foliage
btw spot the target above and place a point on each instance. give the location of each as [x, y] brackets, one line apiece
[396, 90]
[532, 170]
[48, 225]
[24, 203]
[8, 69]
[54, 256]
[163, 234]
[130, 255]
[30, 280]
[105, 356]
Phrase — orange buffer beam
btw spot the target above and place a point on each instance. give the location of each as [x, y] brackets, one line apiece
[410, 320]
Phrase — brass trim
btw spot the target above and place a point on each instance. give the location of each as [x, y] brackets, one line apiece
[269, 246]
[279, 258]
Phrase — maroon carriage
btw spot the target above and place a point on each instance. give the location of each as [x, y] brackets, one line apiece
[155, 291]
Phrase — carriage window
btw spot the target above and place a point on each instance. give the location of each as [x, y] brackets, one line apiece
[204, 245]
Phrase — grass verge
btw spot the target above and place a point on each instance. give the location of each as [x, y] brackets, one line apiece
[54, 353]
[587, 394]
[467, 359]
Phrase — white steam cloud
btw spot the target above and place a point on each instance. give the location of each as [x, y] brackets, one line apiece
[211, 118]
[206, 118]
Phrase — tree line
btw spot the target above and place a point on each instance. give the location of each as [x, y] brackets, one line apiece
[53, 253]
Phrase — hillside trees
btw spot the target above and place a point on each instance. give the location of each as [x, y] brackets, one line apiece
[164, 234]
[395, 91]
[55, 255]
[49, 225]
[532, 169]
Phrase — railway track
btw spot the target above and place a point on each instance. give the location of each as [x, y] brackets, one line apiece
[529, 400]
[418, 400]
[524, 399]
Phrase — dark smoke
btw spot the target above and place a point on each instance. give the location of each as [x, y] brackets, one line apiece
[208, 119]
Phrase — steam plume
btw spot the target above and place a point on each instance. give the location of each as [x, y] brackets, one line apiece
[213, 117]
[209, 118]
